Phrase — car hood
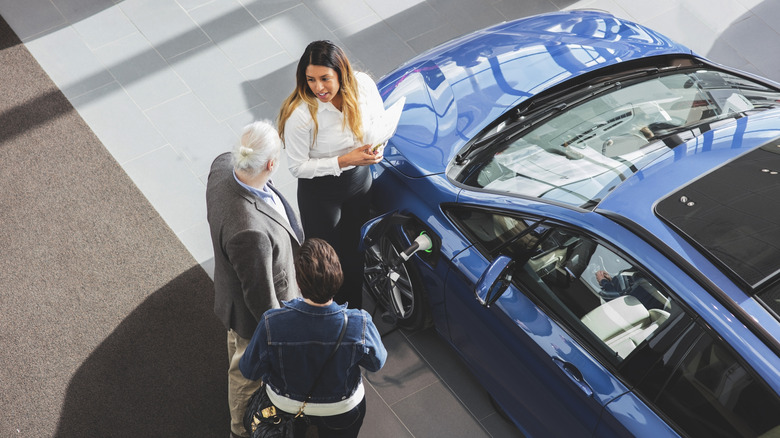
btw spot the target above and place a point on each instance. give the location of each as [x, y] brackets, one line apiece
[455, 90]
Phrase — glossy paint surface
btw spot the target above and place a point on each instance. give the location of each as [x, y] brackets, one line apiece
[454, 91]
[534, 367]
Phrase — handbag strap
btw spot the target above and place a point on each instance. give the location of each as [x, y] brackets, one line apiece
[322, 371]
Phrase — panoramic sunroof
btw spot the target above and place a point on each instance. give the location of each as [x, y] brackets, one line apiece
[733, 215]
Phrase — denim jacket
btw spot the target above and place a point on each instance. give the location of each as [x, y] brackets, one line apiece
[290, 345]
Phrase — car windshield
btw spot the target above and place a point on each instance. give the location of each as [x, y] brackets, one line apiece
[579, 150]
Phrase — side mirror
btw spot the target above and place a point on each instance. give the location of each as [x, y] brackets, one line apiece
[495, 280]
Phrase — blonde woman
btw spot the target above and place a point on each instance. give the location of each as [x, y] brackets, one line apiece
[323, 124]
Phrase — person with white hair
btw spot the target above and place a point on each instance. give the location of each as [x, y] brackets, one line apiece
[255, 234]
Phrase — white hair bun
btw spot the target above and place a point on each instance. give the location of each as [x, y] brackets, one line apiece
[245, 151]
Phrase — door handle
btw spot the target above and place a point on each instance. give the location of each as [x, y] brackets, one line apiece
[574, 374]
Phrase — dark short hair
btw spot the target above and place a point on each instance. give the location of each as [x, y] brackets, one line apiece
[318, 270]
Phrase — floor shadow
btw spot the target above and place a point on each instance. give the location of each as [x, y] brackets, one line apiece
[743, 44]
[162, 372]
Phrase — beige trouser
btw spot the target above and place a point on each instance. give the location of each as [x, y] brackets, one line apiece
[239, 388]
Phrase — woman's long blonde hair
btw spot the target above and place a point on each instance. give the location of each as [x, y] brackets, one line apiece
[326, 54]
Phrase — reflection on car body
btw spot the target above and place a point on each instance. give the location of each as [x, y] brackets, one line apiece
[603, 226]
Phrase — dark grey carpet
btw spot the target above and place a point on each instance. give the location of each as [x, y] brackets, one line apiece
[106, 327]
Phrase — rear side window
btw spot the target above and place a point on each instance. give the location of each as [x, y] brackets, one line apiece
[492, 231]
[711, 394]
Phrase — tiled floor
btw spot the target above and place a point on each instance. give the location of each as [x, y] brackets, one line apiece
[167, 84]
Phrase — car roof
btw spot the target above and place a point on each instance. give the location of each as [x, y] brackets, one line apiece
[455, 90]
[652, 198]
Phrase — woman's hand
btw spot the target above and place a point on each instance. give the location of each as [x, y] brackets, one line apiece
[362, 156]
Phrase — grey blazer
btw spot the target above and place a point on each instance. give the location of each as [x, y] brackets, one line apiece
[253, 250]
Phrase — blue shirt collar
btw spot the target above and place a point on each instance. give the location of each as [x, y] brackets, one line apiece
[265, 193]
[301, 306]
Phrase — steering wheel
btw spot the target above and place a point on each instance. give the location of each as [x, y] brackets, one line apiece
[621, 282]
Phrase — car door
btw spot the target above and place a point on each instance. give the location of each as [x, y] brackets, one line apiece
[517, 334]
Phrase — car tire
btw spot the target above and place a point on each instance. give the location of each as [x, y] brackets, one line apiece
[401, 297]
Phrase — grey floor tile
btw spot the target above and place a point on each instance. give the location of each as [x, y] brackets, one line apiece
[380, 420]
[239, 121]
[197, 239]
[236, 32]
[160, 171]
[717, 15]
[69, 62]
[104, 27]
[146, 76]
[745, 34]
[569, 4]
[165, 178]
[274, 79]
[452, 370]
[208, 266]
[385, 328]
[262, 9]
[387, 9]
[77, 10]
[613, 6]
[166, 25]
[192, 131]
[499, 427]
[31, 18]
[645, 11]
[769, 11]
[434, 412]
[339, 14]
[467, 15]
[722, 52]
[408, 20]
[188, 5]
[512, 9]
[434, 37]
[404, 373]
[359, 40]
[181, 209]
[681, 25]
[295, 28]
[751, 4]
[118, 122]
[216, 82]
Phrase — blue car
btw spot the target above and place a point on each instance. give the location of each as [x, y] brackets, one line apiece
[589, 213]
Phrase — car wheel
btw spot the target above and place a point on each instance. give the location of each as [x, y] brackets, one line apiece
[395, 285]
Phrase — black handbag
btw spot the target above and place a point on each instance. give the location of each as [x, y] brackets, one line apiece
[264, 420]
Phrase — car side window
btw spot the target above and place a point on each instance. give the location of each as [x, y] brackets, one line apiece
[596, 291]
[586, 285]
[491, 231]
[711, 394]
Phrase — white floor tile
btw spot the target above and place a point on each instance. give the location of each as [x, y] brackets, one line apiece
[69, 62]
[142, 71]
[216, 82]
[234, 30]
[118, 122]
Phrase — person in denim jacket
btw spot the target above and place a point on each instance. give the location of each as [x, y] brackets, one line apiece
[291, 344]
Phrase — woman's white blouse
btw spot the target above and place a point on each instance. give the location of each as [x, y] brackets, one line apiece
[308, 161]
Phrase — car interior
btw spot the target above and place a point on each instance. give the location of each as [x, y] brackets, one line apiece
[621, 310]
